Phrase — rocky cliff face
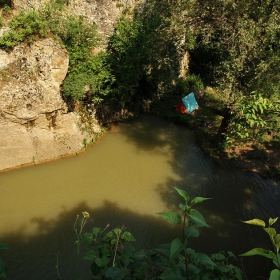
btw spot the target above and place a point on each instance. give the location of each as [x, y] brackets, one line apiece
[104, 13]
[35, 124]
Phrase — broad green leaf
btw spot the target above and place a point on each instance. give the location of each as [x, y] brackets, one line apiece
[101, 262]
[115, 273]
[201, 258]
[90, 255]
[175, 248]
[183, 194]
[197, 218]
[275, 261]
[271, 221]
[95, 230]
[3, 269]
[190, 251]
[277, 242]
[171, 217]
[255, 222]
[231, 254]
[274, 274]
[117, 231]
[86, 237]
[192, 269]
[198, 200]
[271, 232]
[191, 232]
[261, 252]
[217, 257]
[128, 236]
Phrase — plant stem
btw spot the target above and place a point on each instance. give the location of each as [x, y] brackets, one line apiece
[57, 266]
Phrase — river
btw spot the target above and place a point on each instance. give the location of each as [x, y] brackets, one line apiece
[125, 178]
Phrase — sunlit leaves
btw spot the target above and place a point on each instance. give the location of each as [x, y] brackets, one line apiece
[198, 200]
[261, 252]
[274, 274]
[255, 222]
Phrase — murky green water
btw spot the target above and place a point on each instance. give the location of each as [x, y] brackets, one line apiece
[124, 179]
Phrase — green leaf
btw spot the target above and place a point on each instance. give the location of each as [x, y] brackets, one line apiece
[271, 221]
[191, 232]
[192, 269]
[183, 206]
[261, 252]
[128, 236]
[175, 248]
[217, 257]
[90, 255]
[101, 262]
[197, 218]
[277, 242]
[198, 200]
[171, 217]
[274, 274]
[183, 194]
[271, 232]
[96, 231]
[86, 237]
[117, 231]
[275, 261]
[255, 222]
[115, 273]
[201, 258]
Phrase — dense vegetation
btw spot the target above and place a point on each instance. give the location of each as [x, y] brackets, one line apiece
[233, 47]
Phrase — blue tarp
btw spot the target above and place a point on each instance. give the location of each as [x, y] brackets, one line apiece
[190, 102]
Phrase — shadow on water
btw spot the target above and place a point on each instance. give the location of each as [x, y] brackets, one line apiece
[35, 257]
[236, 196]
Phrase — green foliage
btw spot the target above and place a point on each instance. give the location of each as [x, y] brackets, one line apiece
[89, 78]
[3, 266]
[254, 116]
[275, 241]
[112, 255]
[24, 27]
[185, 86]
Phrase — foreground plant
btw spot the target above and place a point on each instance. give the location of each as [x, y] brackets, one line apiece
[184, 262]
[275, 240]
[113, 256]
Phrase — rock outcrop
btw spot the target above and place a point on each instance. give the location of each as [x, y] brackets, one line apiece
[104, 13]
[35, 124]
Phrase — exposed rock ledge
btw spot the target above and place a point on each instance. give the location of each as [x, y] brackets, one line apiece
[35, 124]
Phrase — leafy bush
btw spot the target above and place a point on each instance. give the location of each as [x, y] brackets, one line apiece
[185, 86]
[25, 26]
[112, 255]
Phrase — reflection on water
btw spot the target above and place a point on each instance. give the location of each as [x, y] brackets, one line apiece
[124, 179]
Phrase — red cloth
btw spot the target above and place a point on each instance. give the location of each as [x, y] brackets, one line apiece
[180, 107]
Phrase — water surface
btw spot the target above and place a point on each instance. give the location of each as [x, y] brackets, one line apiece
[125, 179]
